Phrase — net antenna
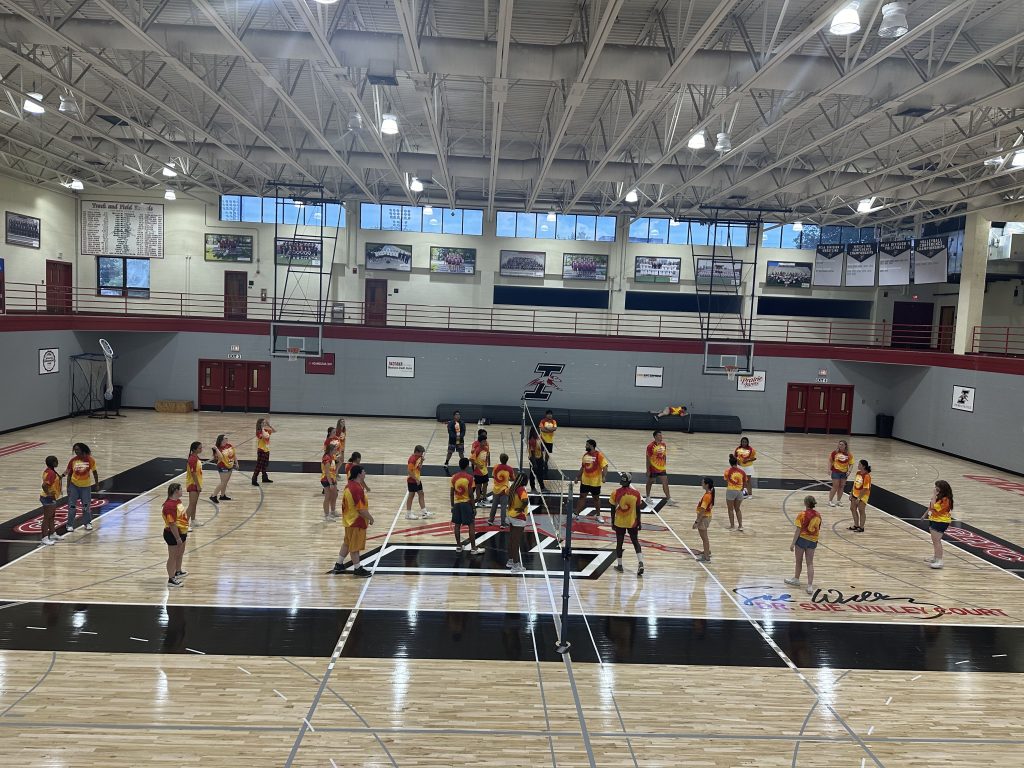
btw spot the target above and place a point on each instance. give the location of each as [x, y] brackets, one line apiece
[108, 354]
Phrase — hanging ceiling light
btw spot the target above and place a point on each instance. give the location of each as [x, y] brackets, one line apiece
[73, 184]
[894, 20]
[697, 141]
[846, 21]
[326, 2]
[552, 216]
[632, 196]
[724, 143]
[68, 105]
[388, 124]
[428, 210]
[994, 161]
[867, 205]
[169, 195]
[416, 185]
[798, 226]
[1018, 159]
[34, 103]
[168, 171]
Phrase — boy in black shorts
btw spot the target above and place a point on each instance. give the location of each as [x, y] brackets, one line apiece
[456, 438]
[463, 513]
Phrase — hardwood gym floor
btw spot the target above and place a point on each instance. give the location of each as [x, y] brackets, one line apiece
[441, 659]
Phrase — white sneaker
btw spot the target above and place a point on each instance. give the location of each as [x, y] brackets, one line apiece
[831, 503]
[67, 533]
[411, 516]
[424, 514]
[510, 564]
[671, 503]
[54, 538]
[518, 568]
[476, 551]
[199, 524]
[648, 502]
[937, 564]
[793, 582]
[811, 589]
[188, 530]
[45, 541]
[88, 526]
[929, 560]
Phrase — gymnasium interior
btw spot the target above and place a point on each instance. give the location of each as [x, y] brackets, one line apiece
[659, 226]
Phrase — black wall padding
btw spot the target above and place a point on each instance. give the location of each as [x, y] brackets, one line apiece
[654, 301]
[797, 307]
[577, 298]
[591, 419]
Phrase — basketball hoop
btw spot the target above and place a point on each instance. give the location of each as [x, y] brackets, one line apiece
[730, 372]
[293, 353]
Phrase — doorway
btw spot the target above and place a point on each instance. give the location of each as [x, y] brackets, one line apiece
[236, 286]
[947, 328]
[376, 302]
[234, 385]
[821, 408]
[58, 288]
[912, 324]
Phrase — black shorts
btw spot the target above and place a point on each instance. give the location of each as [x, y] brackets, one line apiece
[935, 525]
[481, 480]
[463, 513]
[549, 446]
[651, 473]
[169, 537]
[586, 490]
[327, 483]
[414, 486]
[459, 448]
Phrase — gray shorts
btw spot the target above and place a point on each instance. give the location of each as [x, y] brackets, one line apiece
[518, 523]
[733, 495]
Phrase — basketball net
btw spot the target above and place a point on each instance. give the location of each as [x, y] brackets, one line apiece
[730, 372]
[293, 354]
[108, 354]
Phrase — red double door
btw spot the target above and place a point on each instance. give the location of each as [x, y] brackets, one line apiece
[819, 408]
[234, 385]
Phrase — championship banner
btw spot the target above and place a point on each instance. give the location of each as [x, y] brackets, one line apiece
[828, 265]
[860, 263]
[930, 260]
[894, 262]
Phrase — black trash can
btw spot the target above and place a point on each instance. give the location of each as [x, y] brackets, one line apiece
[883, 425]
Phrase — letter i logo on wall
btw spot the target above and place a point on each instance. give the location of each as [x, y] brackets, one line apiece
[538, 388]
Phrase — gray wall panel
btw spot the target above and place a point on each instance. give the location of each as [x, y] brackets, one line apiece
[28, 397]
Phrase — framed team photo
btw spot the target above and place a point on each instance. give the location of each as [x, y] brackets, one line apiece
[521, 263]
[302, 253]
[230, 248]
[651, 269]
[22, 230]
[584, 266]
[718, 272]
[388, 256]
[453, 261]
[788, 274]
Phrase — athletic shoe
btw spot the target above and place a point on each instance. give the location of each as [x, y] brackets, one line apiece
[929, 560]
[831, 503]
[458, 547]
[46, 542]
[704, 558]
[68, 532]
[793, 582]
[476, 551]
[199, 524]
[511, 563]
[88, 526]
[640, 570]
[214, 500]
[360, 572]
[518, 568]
[811, 589]
[618, 567]
[671, 503]
[648, 502]
[936, 565]
[255, 483]
[225, 498]
[267, 479]
[424, 514]
[490, 521]
[412, 516]
[181, 574]
[189, 529]
[739, 529]
[339, 568]
[174, 583]
[54, 538]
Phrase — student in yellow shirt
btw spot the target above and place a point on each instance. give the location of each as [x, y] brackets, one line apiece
[657, 468]
[329, 481]
[461, 496]
[51, 488]
[839, 463]
[83, 479]
[518, 514]
[940, 515]
[703, 522]
[414, 484]
[805, 541]
[859, 496]
[503, 476]
[735, 482]
[626, 502]
[591, 477]
[480, 455]
[548, 427]
[263, 433]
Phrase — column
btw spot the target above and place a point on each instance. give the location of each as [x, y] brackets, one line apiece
[971, 300]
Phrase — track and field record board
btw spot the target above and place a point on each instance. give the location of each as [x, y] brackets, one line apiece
[134, 230]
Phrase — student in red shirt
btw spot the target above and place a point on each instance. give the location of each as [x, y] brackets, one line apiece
[414, 484]
[82, 481]
[175, 532]
[356, 460]
[48, 498]
[503, 476]
[461, 495]
[193, 481]
[657, 468]
[355, 514]
[263, 433]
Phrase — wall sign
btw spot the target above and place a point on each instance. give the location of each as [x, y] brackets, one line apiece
[401, 367]
[755, 382]
[649, 376]
[323, 365]
[547, 378]
[49, 361]
[134, 230]
[963, 399]
[22, 230]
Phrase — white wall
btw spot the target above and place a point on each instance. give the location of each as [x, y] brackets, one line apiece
[56, 212]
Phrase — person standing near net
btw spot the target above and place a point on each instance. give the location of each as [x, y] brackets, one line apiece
[591, 477]
[193, 481]
[83, 479]
[456, 438]
[548, 427]
[224, 453]
[263, 433]
[518, 514]
[461, 496]
[657, 468]
[355, 514]
[536, 450]
[625, 502]
[480, 455]
[503, 474]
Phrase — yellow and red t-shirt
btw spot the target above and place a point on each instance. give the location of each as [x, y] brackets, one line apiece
[735, 478]
[809, 523]
[80, 470]
[227, 456]
[462, 485]
[841, 462]
[592, 468]
[939, 511]
[263, 440]
[706, 505]
[677, 410]
[480, 455]
[745, 456]
[174, 513]
[503, 475]
[352, 502]
[536, 451]
[329, 469]
[862, 486]
[519, 506]
[51, 481]
[415, 466]
[338, 438]
[348, 468]
[548, 424]
[194, 474]
[626, 503]
[657, 456]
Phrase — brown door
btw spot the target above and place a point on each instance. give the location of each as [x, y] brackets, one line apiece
[840, 408]
[235, 289]
[912, 324]
[796, 408]
[258, 375]
[58, 288]
[211, 385]
[817, 407]
[376, 302]
[947, 328]
[236, 388]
